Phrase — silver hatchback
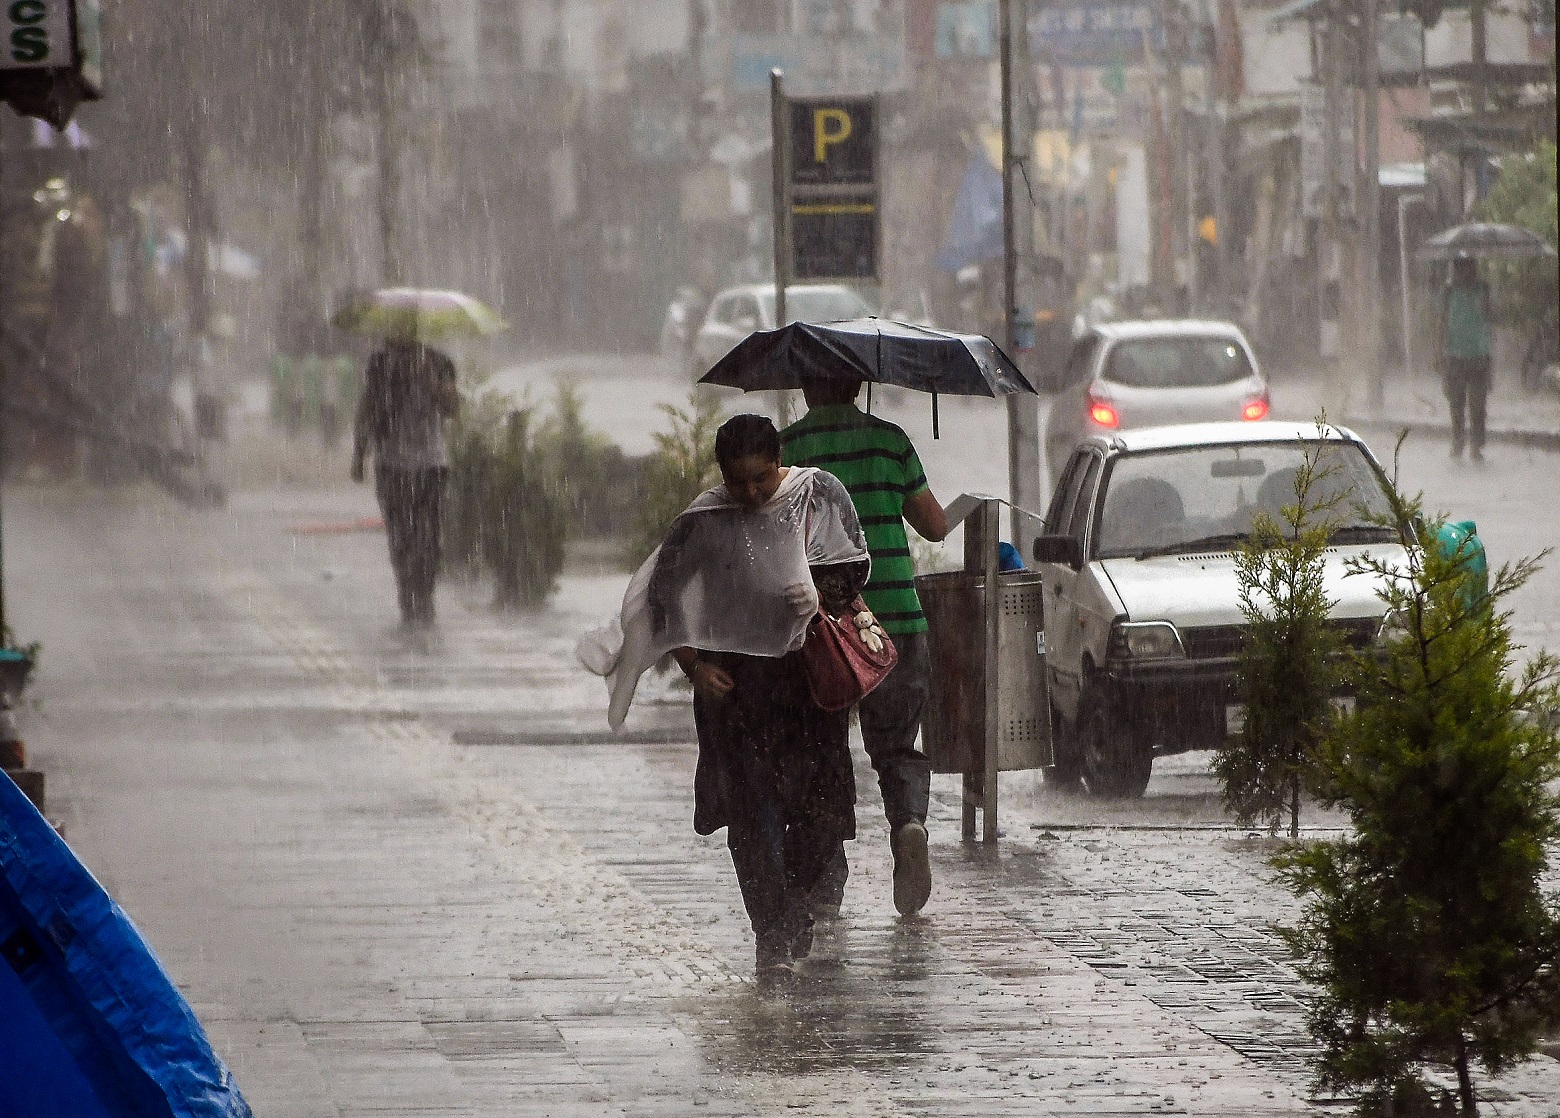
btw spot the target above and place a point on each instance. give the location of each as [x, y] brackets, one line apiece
[1123, 375]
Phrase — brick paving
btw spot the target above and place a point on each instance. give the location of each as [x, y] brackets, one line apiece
[384, 901]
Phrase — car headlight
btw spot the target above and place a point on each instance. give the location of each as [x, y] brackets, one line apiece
[1146, 640]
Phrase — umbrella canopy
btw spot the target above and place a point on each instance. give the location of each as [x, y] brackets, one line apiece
[1479, 239]
[417, 312]
[877, 350]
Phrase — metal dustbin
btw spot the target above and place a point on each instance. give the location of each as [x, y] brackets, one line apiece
[954, 728]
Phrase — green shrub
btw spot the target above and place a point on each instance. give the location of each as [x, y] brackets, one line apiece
[506, 510]
[682, 467]
[1525, 194]
[526, 521]
[589, 469]
[1289, 667]
[1426, 930]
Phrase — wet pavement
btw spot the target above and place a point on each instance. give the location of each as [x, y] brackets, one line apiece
[425, 882]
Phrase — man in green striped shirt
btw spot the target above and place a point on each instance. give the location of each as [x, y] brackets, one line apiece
[879, 467]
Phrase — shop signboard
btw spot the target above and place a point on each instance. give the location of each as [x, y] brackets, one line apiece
[51, 56]
[1096, 34]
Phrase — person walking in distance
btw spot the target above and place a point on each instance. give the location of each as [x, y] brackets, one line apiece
[409, 390]
[880, 469]
[1463, 351]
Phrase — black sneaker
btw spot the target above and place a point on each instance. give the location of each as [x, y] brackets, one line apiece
[912, 868]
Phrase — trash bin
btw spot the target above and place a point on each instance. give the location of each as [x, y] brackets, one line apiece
[954, 729]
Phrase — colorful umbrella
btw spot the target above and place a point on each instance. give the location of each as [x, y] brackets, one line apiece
[417, 312]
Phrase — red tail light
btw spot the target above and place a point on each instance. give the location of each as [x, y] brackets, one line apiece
[1103, 412]
[1255, 409]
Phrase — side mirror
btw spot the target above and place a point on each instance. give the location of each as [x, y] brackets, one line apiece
[1059, 549]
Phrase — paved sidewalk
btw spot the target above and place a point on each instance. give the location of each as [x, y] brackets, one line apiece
[405, 884]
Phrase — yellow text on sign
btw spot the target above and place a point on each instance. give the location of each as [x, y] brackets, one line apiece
[824, 135]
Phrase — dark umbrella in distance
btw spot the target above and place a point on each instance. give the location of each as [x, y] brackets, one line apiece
[876, 350]
[1480, 239]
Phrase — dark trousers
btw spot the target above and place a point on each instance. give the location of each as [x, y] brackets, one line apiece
[774, 770]
[890, 723]
[413, 505]
[1467, 385]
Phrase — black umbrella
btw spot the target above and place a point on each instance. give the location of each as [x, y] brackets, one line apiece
[1478, 239]
[876, 350]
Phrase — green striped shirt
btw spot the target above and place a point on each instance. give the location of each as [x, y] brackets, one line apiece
[879, 467]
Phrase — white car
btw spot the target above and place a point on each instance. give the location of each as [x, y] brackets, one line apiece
[738, 311]
[1143, 622]
[1122, 375]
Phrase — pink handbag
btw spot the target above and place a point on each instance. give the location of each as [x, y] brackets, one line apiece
[846, 657]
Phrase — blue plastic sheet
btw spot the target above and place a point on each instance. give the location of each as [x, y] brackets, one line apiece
[90, 1024]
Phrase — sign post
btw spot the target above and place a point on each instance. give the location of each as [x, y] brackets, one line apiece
[779, 148]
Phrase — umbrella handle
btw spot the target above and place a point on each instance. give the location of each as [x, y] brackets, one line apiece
[936, 434]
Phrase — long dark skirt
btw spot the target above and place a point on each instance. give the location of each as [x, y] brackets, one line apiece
[775, 771]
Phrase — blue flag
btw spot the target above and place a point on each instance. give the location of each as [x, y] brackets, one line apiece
[975, 230]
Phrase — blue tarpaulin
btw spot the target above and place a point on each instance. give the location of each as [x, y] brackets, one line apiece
[975, 230]
[90, 1024]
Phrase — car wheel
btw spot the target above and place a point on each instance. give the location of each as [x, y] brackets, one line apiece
[1114, 758]
[1065, 773]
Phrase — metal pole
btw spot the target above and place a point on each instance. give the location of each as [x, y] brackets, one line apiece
[1405, 281]
[1017, 243]
[990, 526]
[1328, 260]
[1371, 280]
[1009, 258]
[779, 164]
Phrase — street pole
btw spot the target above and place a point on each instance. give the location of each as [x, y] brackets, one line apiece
[780, 174]
[1328, 263]
[779, 161]
[1175, 131]
[1370, 303]
[1018, 317]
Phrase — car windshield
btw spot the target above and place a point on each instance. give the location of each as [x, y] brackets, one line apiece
[1204, 498]
[830, 305]
[1183, 362]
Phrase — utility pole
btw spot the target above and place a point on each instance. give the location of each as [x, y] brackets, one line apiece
[779, 162]
[1370, 198]
[1329, 277]
[1018, 230]
[1175, 131]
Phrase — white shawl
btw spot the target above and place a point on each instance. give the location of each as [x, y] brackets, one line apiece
[718, 580]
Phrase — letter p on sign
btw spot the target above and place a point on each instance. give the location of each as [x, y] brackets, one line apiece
[830, 126]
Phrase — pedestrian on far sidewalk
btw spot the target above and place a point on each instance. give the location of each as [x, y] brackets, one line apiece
[880, 469]
[1463, 353]
[409, 390]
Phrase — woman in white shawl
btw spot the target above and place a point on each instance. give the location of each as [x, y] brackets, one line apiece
[729, 594]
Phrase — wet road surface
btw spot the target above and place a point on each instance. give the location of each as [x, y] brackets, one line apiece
[405, 882]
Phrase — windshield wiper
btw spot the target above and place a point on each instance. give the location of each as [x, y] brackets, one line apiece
[1365, 533]
[1206, 543]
